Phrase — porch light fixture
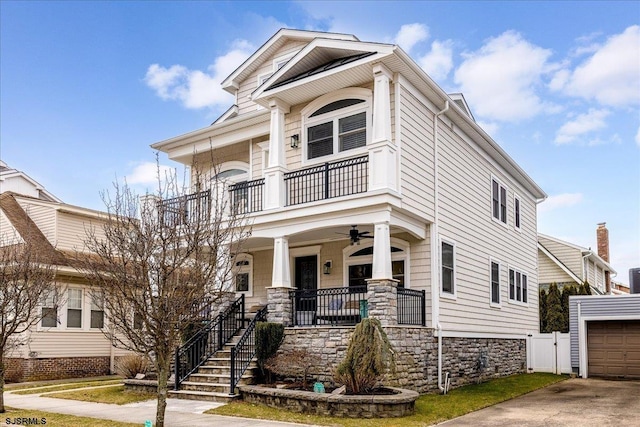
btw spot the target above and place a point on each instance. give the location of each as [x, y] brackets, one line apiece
[295, 140]
[326, 268]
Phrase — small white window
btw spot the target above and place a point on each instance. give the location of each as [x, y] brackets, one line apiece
[495, 282]
[517, 212]
[74, 308]
[499, 201]
[447, 261]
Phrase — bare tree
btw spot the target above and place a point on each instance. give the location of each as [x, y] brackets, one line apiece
[27, 279]
[154, 259]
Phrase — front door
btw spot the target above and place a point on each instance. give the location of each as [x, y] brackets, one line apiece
[306, 279]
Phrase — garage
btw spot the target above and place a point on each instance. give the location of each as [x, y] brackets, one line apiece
[613, 349]
[604, 334]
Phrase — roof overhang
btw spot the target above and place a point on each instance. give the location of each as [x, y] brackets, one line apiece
[270, 47]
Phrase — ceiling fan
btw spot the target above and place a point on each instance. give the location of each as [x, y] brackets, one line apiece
[356, 235]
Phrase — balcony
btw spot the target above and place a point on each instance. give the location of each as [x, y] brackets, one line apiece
[325, 181]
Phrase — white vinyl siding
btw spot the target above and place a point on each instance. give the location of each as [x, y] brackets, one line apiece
[569, 255]
[416, 154]
[465, 217]
[43, 216]
[549, 272]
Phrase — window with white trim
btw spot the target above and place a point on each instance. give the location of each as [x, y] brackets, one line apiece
[243, 277]
[517, 286]
[49, 312]
[74, 308]
[97, 310]
[495, 282]
[358, 263]
[516, 212]
[447, 263]
[498, 201]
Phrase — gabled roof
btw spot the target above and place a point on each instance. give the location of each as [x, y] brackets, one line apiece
[284, 35]
[7, 172]
[461, 102]
[583, 252]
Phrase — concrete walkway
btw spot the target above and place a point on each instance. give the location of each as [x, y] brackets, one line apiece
[179, 412]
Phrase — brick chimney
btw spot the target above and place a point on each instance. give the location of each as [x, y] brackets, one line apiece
[602, 235]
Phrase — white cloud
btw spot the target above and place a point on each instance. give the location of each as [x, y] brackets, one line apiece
[611, 75]
[501, 77]
[638, 137]
[146, 173]
[439, 61]
[411, 34]
[583, 124]
[194, 88]
[489, 127]
[560, 201]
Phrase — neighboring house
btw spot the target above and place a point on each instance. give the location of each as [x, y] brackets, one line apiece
[21, 183]
[71, 343]
[619, 288]
[564, 263]
[372, 191]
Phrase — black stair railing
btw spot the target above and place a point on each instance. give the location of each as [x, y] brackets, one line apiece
[207, 340]
[245, 350]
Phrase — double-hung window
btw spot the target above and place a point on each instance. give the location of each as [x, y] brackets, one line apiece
[74, 308]
[517, 286]
[499, 201]
[49, 312]
[447, 257]
[337, 127]
[495, 282]
[97, 310]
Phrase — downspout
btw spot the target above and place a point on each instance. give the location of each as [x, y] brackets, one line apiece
[585, 271]
[435, 250]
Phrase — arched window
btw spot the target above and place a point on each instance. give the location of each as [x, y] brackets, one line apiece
[232, 172]
[358, 262]
[335, 123]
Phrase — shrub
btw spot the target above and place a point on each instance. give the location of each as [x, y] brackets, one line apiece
[368, 356]
[294, 364]
[554, 319]
[269, 336]
[131, 365]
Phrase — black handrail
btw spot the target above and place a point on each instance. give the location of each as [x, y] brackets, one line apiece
[329, 306]
[185, 209]
[328, 180]
[246, 196]
[411, 308]
[207, 340]
[245, 350]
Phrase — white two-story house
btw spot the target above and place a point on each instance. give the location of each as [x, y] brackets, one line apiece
[372, 192]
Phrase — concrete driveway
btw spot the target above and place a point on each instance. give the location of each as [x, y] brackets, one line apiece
[575, 402]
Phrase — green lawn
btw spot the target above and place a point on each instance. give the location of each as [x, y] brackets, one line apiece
[67, 381]
[61, 387]
[115, 395]
[11, 416]
[430, 409]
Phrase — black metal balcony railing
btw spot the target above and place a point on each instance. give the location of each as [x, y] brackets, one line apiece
[327, 181]
[246, 197]
[333, 306]
[411, 308]
[185, 209]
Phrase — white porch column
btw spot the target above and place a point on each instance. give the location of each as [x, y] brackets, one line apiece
[274, 173]
[382, 151]
[381, 268]
[281, 276]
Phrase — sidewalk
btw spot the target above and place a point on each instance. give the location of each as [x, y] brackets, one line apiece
[179, 413]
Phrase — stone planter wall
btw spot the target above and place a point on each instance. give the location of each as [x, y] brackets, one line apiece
[337, 405]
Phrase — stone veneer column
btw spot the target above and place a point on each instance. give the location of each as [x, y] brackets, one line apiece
[382, 295]
[279, 306]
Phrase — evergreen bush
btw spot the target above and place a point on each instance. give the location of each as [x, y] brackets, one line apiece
[269, 336]
[554, 318]
[368, 356]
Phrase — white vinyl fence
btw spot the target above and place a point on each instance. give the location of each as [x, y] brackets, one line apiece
[549, 353]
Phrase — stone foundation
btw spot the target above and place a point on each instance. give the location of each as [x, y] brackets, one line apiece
[37, 369]
[467, 360]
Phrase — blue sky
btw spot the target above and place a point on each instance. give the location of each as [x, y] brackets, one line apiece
[86, 87]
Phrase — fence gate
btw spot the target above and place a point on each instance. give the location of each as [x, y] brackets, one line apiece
[549, 353]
